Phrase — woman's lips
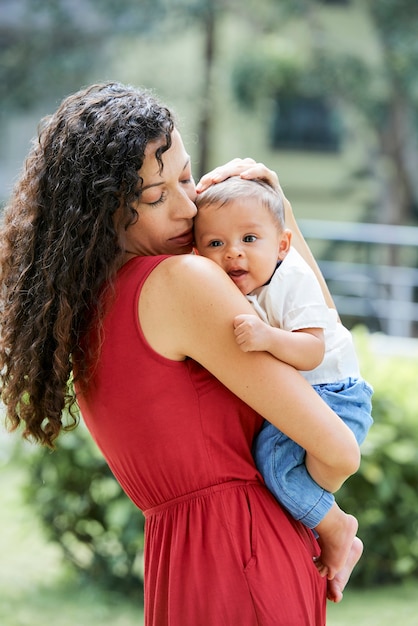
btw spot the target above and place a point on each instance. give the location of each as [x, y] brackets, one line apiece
[185, 239]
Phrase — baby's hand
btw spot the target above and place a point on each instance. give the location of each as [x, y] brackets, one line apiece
[251, 333]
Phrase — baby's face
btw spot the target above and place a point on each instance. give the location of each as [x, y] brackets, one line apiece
[243, 238]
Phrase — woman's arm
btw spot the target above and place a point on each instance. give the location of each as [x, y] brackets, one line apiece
[298, 242]
[187, 308]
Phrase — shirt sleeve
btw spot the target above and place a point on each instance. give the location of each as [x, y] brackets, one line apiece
[294, 300]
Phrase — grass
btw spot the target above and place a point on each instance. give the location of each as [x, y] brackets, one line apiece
[384, 606]
[63, 605]
[36, 588]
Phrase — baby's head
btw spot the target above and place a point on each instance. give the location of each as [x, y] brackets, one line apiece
[237, 189]
[240, 225]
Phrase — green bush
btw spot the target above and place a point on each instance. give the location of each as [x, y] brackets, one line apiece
[84, 510]
[383, 494]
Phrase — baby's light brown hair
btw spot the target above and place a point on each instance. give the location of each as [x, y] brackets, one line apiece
[236, 188]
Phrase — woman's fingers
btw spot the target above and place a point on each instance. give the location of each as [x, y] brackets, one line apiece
[247, 168]
[260, 171]
[232, 168]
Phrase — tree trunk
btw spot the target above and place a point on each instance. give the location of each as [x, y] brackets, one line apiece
[209, 19]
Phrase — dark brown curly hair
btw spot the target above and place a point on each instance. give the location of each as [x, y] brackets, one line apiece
[59, 245]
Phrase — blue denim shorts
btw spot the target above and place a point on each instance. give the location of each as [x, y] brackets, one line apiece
[282, 461]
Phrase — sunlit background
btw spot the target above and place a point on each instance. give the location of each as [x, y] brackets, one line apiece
[326, 94]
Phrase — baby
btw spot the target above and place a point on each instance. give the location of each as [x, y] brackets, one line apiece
[240, 225]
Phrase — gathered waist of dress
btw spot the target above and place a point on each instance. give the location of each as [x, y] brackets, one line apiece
[200, 493]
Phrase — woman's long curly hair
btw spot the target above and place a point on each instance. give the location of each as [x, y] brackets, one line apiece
[59, 245]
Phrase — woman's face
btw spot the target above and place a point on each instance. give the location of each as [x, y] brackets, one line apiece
[166, 206]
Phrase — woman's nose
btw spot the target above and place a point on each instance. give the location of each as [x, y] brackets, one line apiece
[184, 205]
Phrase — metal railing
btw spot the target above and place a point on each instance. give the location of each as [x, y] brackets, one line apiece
[379, 291]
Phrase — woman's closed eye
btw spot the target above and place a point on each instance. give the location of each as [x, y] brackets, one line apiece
[187, 181]
[160, 200]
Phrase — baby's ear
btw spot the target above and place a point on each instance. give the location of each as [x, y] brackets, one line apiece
[285, 242]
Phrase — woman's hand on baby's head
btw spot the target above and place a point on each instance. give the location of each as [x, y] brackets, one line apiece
[217, 175]
[246, 168]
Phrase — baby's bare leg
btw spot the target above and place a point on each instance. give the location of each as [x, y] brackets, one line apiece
[337, 584]
[337, 532]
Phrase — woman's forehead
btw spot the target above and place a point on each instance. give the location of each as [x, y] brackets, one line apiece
[174, 160]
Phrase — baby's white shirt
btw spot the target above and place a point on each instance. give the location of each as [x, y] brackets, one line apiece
[293, 300]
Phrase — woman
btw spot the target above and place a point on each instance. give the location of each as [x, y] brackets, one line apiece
[96, 278]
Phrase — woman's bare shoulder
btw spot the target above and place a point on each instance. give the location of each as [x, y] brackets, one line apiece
[186, 299]
[189, 271]
[189, 263]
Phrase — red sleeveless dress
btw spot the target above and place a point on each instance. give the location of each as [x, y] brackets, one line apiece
[219, 549]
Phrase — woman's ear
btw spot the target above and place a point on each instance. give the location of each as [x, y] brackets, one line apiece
[284, 244]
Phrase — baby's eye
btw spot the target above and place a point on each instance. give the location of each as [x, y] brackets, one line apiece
[215, 244]
[249, 238]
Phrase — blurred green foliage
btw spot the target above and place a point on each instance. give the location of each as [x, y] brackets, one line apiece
[101, 532]
[208, 57]
[383, 493]
[320, 65]
[48, 48]
[83, 509]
